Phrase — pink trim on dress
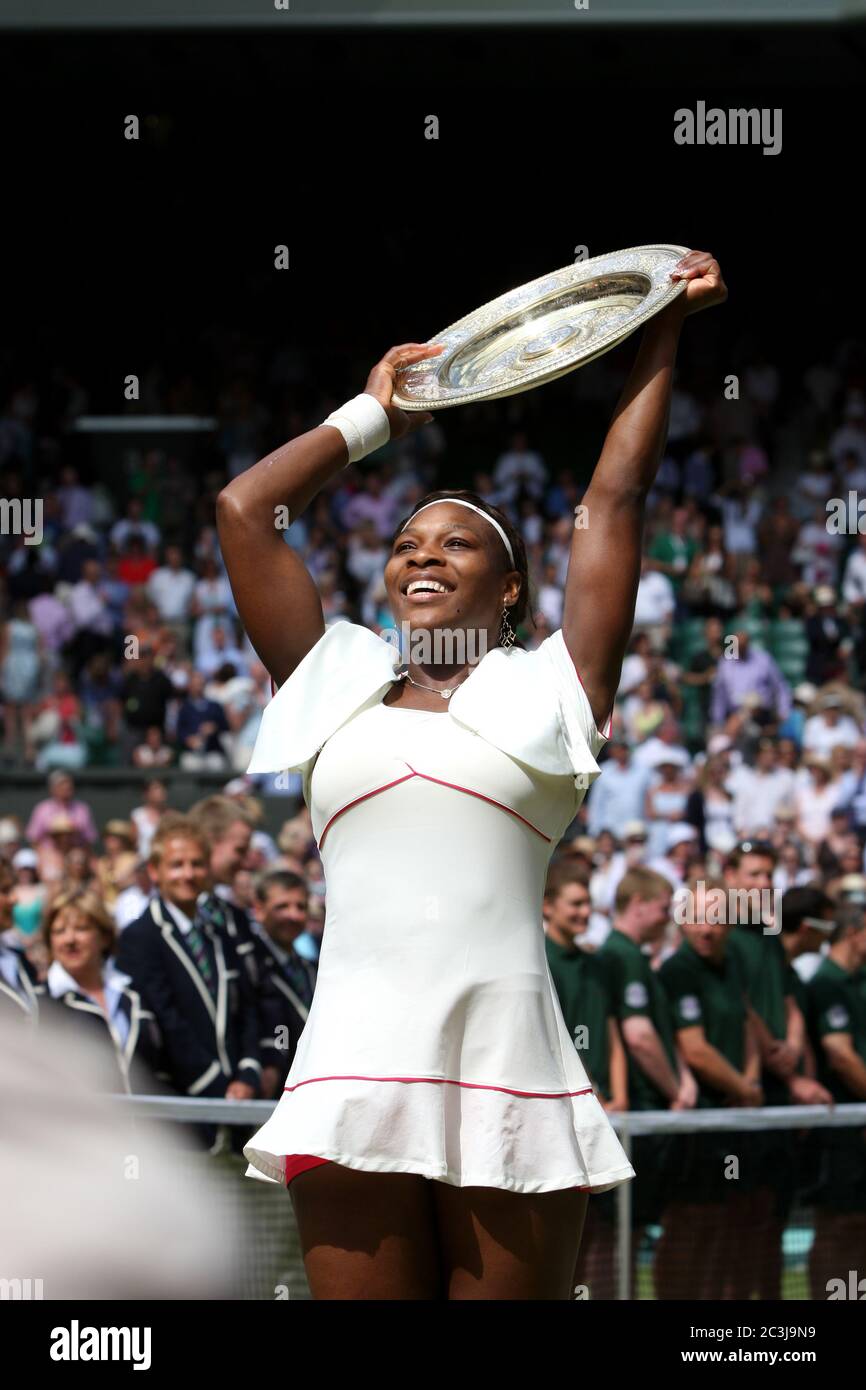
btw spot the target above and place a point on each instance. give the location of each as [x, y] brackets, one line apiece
[427, 778]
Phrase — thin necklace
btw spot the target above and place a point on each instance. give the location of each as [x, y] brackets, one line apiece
[446, 694]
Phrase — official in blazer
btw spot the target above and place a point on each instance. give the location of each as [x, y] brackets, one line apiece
[87, 990]
[287, 979]
[20, 990]
[190, 976]
[228, 831]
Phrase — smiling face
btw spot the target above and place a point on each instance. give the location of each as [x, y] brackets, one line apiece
[181, 873]
[708, 933]
[284, 913]
[449, 569]
[76, 942]
[568, 913]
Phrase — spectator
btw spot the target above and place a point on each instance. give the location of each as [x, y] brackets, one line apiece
[90, 615]
[115, 869]
[520, 469]
[201, 723]
[101, 690]
[618, 793]
[815, 800]
[154, 751]
[219, 650]
[666, 797]
[146, 817]
[677, 862]
[135, 564]
[655, 603]
[132, 901]
[80, 938]
[20, 672]
[710, 806]
[818, 551]
[61, 801]
[134, 525]
[751, 672]
[181, 968]
[28, 895]
[830, 727]
[20, 990]
[854, 577]
[673, 549]
[172, 589]
[147, 693]
[56, 728]
[759, 791]
[287, 979]
[829, 639]
[227, 830]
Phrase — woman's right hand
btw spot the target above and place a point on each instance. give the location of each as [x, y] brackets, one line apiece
[383, 378]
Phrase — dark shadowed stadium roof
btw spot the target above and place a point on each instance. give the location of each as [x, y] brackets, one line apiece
[150, 14]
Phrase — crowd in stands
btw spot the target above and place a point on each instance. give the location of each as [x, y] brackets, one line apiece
[737, 764]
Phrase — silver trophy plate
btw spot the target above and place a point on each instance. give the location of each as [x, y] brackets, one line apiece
[543, 329]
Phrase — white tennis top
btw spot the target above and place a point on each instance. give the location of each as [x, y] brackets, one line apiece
[435, 1043]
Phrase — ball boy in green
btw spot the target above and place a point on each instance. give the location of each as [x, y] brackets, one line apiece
[706, 1222]
[837, 1021]
[658, 1079]
[582, 984]
[587, 1007]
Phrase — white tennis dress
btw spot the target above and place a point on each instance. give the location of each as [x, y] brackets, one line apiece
[435, 1043]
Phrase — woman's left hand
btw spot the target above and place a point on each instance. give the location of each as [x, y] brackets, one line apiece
[705, 286]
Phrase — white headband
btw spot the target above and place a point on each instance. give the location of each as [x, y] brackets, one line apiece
[461, 503]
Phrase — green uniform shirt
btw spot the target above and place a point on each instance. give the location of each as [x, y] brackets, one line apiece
[637, 993]
[796, 986]
[765, 970]
[712, 997]
[674, 550]
[836, 1005]
[584, 997]
[764, 967]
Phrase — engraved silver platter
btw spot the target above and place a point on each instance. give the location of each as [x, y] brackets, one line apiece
[543, 329]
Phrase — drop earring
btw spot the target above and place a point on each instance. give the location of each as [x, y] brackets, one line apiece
[507, 633]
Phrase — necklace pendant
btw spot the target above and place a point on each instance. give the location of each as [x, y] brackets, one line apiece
[446, 694]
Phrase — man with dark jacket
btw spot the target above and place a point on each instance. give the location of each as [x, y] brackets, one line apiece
[190, 977]
[287, 980]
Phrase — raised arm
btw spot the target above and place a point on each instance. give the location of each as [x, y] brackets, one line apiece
[276, 596]
[604, 565]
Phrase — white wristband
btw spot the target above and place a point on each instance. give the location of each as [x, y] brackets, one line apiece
[363, 424]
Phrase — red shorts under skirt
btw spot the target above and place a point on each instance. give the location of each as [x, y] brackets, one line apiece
[299, 1163]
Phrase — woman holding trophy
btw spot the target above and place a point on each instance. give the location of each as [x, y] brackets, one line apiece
[438, 1131]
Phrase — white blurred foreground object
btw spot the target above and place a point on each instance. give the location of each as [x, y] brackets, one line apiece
[95, 1205]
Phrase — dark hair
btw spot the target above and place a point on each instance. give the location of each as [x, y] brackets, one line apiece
[521, 609]
[278, 878]
[560, 875]
[739, 852]
[806, 901]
